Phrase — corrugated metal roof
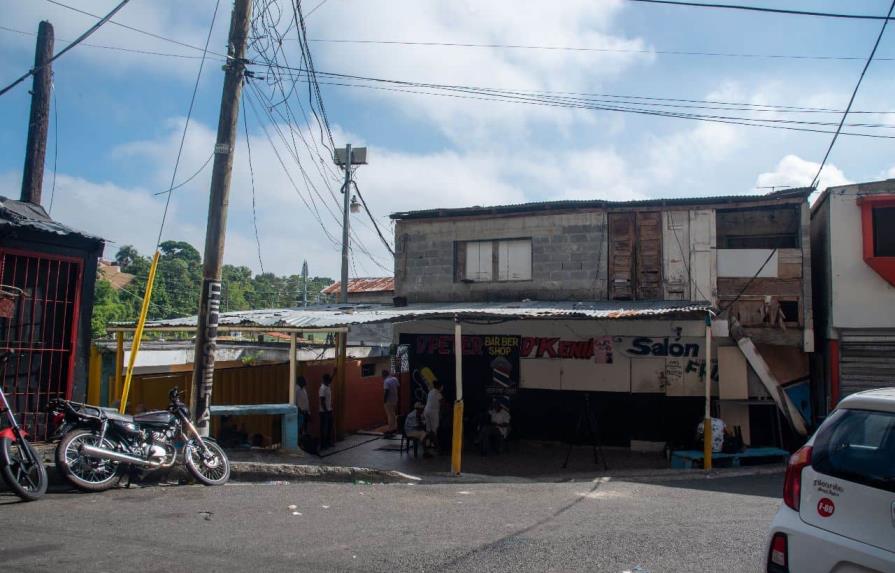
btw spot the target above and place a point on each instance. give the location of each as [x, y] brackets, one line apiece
[363, 285]
[795, 193]
[334, 316]
[22, 214]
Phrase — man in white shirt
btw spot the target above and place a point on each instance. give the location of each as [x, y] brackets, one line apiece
[390, 387]
[495, 428]
[303, 405]
[326, 412]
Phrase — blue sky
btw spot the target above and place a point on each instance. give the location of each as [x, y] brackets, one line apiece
[120, 114]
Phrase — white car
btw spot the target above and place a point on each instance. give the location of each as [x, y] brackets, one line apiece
[838, 511]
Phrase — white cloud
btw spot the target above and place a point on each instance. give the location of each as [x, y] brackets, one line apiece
[793, 171]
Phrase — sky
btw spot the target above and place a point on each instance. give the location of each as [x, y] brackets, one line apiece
[119, 116]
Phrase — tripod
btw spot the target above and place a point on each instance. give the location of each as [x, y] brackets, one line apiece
[587, 424]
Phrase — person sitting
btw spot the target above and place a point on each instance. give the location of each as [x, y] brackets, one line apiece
[495, 428]
[415, 426]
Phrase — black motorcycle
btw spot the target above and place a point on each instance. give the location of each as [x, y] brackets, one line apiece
[98, 444]
[20, 466]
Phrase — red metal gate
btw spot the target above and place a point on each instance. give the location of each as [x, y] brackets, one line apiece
[41, 327]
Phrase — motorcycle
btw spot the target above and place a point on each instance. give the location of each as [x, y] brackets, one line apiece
[97, 444]
[21, 467]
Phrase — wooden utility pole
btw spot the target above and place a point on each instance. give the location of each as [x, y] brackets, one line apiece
[36, 148]
[210, 301]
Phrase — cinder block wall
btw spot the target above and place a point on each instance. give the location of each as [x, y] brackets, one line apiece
[569, 257]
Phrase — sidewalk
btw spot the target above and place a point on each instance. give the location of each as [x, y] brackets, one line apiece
[374, 456]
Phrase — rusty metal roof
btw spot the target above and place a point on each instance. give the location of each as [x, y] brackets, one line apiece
[363, 285]
[784, 195]
[321, 317]
[22, 214]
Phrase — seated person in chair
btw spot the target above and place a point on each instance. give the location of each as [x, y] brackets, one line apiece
[415, 424]
[495, 429]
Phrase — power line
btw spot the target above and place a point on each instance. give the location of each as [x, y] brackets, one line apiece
[140, 31]
[763, 9]
[483, 94]
[188, 179]
[245, 124]
[584, 49]
[315, 8]
[853, 94]
[370, 215]
[59, 54]
[186, 124]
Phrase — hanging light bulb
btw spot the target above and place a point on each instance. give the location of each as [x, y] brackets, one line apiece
[355, 204]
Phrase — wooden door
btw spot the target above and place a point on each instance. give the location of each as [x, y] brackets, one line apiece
[621, 256]
[649, 256]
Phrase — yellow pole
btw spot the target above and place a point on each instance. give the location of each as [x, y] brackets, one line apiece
[707, 423]
[138, 334]
[457, 444]
[115, 392]
[94, 375]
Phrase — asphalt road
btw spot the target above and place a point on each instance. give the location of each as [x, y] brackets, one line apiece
[693, 525]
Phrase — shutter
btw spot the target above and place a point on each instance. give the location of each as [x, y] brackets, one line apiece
[514, 260]
[478, 260]
[866, 361]
[649, 256]
[621, 256]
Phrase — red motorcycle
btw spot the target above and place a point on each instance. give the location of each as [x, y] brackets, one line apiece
[20, 466]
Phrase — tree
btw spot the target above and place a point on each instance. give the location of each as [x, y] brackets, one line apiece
[106, 308]
[126, 257]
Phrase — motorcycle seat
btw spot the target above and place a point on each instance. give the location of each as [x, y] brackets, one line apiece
[112, 414]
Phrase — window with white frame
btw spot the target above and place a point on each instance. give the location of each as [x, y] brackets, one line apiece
[500, 260]
[479, 261]
[514, 260]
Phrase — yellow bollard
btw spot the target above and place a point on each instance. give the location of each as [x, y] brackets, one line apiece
[457, 443]
[138, 334]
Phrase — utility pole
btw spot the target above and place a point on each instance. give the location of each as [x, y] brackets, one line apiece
[210, 301]
[304, 283]
[345, 159]
[38, 122]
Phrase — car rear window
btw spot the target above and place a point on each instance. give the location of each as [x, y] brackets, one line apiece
[859, 446]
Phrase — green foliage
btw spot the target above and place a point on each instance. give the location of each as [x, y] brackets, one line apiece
[178, 283]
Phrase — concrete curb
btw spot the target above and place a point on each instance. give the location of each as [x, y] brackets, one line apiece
[265, 472]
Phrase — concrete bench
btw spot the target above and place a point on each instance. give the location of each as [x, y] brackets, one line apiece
[289, 435]
[686, 459]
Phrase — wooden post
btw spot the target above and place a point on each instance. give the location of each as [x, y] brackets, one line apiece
[707, 423]
[115, 394]
[292, 369]
[36, 148]
[340, 397]
[457, 444]
[210, 301]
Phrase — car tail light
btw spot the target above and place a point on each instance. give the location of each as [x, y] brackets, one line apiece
[777, 557]
[792, 483]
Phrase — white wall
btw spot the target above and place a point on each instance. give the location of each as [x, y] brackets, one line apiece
[861, 298]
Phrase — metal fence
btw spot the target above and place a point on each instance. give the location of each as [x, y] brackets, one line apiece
[39, 323]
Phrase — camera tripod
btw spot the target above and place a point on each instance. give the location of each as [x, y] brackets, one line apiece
[588, 426]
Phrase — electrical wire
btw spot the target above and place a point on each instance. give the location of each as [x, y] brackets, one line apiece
[372, 219]
[749, 282]
[315, 8]
[854, 93]
[245, 124]
[763, 9]
[61, 52]
[188, 179]
[140, 31]
[587, 49]
[186, 124]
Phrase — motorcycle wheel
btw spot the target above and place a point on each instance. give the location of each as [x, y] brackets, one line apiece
[88, 474]
[22, 469]
[212, 468]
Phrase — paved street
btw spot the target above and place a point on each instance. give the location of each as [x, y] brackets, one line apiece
[687, 525]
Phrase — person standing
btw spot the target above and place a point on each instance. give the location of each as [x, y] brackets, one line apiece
[303, 405]
[432, 411]
[326, 412]
[390, 387]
